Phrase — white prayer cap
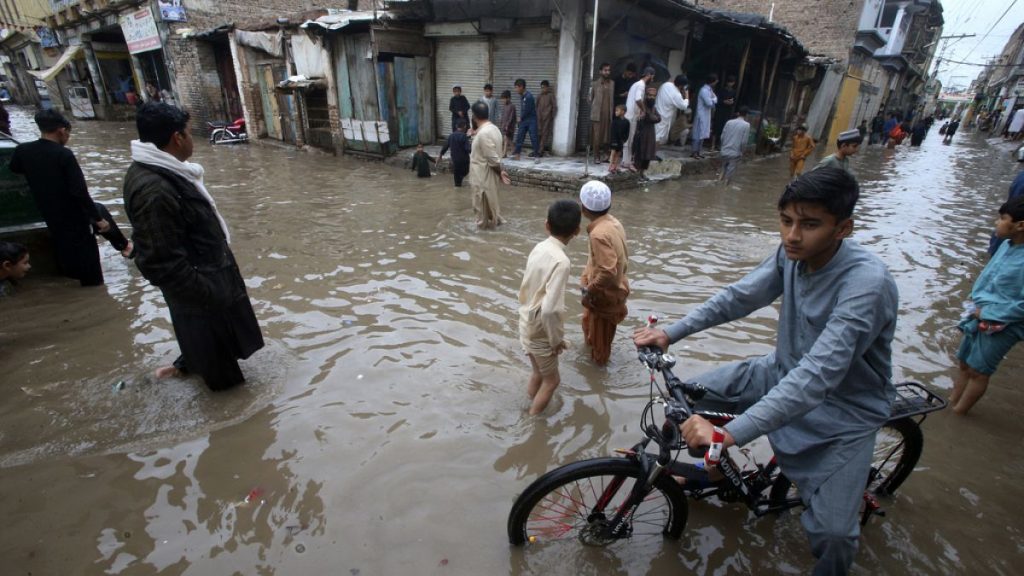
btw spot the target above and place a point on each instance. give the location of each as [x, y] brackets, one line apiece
[850, 136]
[596, 196]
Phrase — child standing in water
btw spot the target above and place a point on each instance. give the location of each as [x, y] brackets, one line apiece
[996, 322]
[14, 265]
[421, 162]
[542, 302]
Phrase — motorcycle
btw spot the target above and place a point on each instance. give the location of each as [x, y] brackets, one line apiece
[224, 133]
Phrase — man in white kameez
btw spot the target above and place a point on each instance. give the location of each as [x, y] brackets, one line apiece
[634, 107]
[706, 102]
[670, 101]
[485, 171]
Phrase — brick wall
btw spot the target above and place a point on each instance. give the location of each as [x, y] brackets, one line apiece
[195, 70]
[824, 27]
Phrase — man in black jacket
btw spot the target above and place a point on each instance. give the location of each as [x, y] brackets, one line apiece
[62, 196]
[181, 246]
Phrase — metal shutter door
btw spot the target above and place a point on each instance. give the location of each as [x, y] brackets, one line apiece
[530, 54]
[462, 61]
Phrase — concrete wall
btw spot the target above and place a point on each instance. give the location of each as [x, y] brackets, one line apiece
[824, 27]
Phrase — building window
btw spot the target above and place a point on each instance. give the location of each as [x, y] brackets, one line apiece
[888, 17]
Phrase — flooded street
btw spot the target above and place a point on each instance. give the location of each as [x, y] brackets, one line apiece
[384, 429]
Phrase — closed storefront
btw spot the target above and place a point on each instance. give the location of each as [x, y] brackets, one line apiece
[531, 53]
[463, 61]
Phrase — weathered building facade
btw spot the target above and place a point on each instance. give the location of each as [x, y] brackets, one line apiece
[879, 53]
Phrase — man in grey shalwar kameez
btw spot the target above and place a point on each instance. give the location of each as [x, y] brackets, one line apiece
[825, 391]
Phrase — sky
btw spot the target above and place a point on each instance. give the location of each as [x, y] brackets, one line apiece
[975, 17]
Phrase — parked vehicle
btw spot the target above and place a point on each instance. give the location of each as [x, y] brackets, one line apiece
[224, 133]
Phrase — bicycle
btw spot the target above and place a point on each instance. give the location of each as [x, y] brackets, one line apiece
[601, 501]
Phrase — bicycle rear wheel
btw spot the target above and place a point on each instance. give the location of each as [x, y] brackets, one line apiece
[898, 446]
[579, 500]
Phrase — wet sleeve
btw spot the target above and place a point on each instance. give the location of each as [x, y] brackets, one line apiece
[159, 246]
[756, 290]
[77, 188]
[1003, 284]
[552, 308]
[492, 151]
[604, 274]
[445, 147]
[864, 306]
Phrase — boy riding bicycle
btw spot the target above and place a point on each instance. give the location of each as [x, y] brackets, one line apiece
[825, 391]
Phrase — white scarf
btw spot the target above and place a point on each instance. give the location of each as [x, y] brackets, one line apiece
[148, 153]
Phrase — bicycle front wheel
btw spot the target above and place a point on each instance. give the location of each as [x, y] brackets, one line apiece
[579, 501]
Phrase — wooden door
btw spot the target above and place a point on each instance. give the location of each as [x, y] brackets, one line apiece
[406, 101]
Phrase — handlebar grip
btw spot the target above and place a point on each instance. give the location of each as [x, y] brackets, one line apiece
[697, 451]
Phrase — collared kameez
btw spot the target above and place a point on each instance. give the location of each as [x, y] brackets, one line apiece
[605, 285]
[484, 158]
[542, 300]
[824, 392]
[601, 111]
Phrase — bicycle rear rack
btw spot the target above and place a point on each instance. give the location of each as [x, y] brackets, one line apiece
[913, 399]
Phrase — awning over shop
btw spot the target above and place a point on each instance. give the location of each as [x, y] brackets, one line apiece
[65, 58]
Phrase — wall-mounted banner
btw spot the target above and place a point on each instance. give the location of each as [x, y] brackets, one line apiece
[140, 31]
[172, 11]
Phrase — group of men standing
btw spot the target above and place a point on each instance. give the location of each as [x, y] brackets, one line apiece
[713, 109]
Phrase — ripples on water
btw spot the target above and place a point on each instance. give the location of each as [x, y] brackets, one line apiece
[384, 426]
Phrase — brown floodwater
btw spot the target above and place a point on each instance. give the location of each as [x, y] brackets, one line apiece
[383, 429]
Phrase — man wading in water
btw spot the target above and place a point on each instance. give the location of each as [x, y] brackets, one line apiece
[181, 244]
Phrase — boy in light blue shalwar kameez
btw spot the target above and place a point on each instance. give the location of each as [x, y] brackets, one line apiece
[826, 390]
[997, 321]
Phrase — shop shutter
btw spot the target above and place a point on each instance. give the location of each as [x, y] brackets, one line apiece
[462, 61]
[530, 54]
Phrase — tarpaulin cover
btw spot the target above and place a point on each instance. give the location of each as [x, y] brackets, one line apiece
[265, 41]
[311, 60]
[49, 73]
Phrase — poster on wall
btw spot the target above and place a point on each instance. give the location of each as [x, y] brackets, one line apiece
[172, 11]
[47, 38]
[140, 31]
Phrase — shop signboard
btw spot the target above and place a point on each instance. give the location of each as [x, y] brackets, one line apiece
[140, 31]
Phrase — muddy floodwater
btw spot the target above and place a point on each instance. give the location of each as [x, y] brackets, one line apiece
[383, 429]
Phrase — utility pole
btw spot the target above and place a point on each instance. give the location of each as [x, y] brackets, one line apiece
[945, 44]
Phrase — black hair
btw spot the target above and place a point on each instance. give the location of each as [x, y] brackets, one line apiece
[520, 82]
[1014, 208]
[631, 67]
[480, 111]
[564, 217]
[13, 252]
[603, 64]
[50, 120]
[742, 111]
[461, 123]
[488, 87]
[833, 188]
[712, 78]
[730, 78]
[157, 122]
[681, 80]
[506, 94]
[545, 83]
